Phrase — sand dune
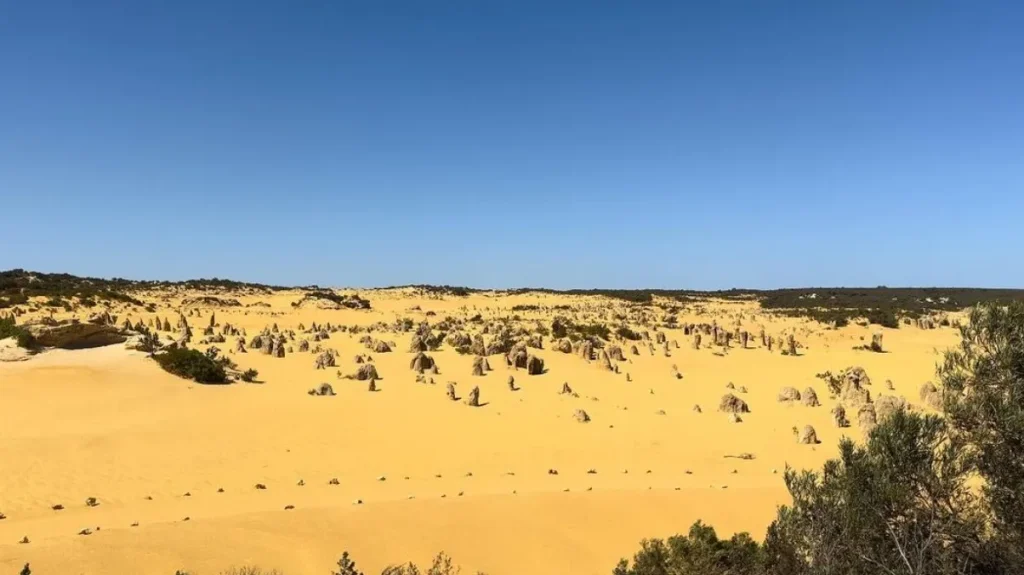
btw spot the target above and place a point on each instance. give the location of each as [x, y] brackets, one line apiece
[431, 474]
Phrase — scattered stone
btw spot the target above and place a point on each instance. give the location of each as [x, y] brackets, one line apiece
[581, 416]
[808, 436]
[876, 342]
[866, 417]
[365, 372]
[732, 404]
[478, 366]
[534, 365]
[811, 398]
[887, 405]
[473, 400]
[788, 394]
[931, 396]
[421, 362]
[323, 389]
[839, 416]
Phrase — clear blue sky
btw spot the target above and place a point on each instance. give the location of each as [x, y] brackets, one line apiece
[496, 144]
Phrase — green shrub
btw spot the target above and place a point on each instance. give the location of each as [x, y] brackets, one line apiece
[884, 318]
[983, 391]
[700, 552]
[903, 494]
[593, 330]
[626, 333]
[9, 329]
[905, 500]
[192, 364]
[250, 375]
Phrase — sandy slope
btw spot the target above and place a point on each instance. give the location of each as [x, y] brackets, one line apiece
[108, 423]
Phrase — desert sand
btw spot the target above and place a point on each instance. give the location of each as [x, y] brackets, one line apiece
[516, 485]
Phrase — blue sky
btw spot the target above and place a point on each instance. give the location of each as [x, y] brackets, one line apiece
[499, 144]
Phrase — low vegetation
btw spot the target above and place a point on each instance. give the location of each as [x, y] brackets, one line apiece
[563, 327]
[352, 301]
[901, 502]
[626, 333]
[192, 364]
[8, 328]
[441, 565]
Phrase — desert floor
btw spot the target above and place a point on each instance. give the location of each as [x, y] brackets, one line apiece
[431, 474]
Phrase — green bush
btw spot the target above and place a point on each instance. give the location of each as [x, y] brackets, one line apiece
[983, 391]
[700, 552]
[903, 494]
[9, 329]
[884, 318]
[192, 364]
[594, 330]
[905, 500]
[250, 375]
[626, 333]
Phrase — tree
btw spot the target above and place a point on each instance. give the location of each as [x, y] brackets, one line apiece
[898, 504]
[346, 566]
[700, 552]
[983, 395]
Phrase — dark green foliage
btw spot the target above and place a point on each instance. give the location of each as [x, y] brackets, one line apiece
[700, 552]
[17, 285]
[346, 566]
[901, 502]
[898, 504]
[9, 329]
[983, 388]
[914, 301]
[883, 317]
[192, 364]
[626, 333]
[525, 307]
[13, 299]
[250, 375]
[444, 290]
[592, 330]
[353, 301]
[563, 327]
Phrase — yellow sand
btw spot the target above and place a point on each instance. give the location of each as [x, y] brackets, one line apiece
[474, 482]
